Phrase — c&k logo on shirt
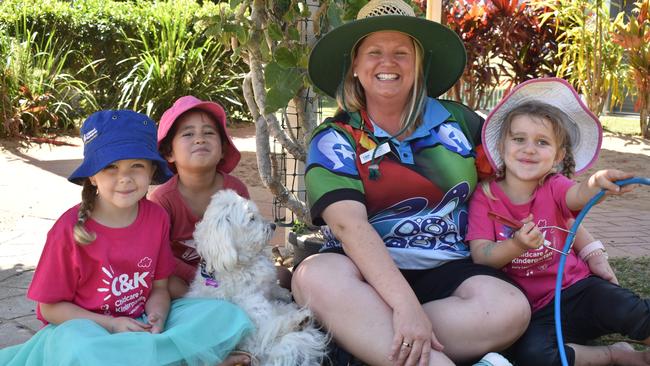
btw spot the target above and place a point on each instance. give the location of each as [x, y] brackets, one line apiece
[116, 285]
[123, 283]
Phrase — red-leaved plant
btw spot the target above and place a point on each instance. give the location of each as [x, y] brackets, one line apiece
[504, 40]
[634, 37]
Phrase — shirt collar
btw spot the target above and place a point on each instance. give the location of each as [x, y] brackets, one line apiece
[434, 114]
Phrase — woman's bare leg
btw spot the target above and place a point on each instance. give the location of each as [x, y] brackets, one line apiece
[359, 320]
[484, 314]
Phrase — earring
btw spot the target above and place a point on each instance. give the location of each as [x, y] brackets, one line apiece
[355, 74]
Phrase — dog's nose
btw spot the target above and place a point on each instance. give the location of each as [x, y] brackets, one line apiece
[272, 225]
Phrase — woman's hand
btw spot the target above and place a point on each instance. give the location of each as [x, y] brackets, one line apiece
[413, 335]
[125, 324]
[413, 338]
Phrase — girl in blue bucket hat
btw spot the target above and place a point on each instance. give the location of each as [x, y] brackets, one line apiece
[101, 282]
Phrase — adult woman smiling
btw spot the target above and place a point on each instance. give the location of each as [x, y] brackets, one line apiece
[390, 175]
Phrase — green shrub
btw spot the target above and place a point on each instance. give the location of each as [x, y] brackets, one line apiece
[93, 26]
[38, 94]
[173, 61]
[117, 35]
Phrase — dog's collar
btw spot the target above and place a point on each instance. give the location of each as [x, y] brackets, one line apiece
[209, 277]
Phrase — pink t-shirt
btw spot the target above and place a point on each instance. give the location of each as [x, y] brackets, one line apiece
[183, 221]
[535, 271]
[112, 275]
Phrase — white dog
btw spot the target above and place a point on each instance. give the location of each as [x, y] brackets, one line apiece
[231, 240]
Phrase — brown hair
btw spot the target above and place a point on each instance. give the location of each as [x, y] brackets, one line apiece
[351, 97]
[558, 121]
[88, 197]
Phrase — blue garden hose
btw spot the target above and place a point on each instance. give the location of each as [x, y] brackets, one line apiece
[567, 247]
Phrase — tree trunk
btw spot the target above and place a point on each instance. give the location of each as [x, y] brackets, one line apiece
[644, 117]
[266, 124]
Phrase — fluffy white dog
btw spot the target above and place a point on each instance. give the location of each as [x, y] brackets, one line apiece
[231, 240]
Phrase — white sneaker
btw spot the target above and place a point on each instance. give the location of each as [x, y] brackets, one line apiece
[493, 359]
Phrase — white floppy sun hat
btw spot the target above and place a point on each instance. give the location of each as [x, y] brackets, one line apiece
[584, 128]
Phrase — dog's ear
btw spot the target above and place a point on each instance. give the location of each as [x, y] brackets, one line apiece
[214, 241]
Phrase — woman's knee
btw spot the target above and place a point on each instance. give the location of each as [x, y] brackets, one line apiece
[319, 275]
[518, 311]
[506, 308]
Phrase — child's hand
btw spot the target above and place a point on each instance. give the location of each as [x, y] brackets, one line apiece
[604, 179]
[599, 266]
[529, 236]
[126, 324]
[157, 323]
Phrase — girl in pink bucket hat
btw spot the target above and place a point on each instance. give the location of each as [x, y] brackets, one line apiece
[535, 139]
[193, 137]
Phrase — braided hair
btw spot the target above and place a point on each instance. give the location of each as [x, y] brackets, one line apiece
[88, 197]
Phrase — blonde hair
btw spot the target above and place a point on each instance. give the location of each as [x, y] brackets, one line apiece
[88, 198]
[558, 121]
[351, 97]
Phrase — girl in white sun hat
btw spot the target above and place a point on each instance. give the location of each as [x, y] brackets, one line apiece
[535, 139]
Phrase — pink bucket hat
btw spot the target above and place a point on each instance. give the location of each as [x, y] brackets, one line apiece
[231, 155]
[584, 128]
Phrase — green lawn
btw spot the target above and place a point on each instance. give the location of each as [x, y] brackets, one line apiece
[632, 273]
[628, 125]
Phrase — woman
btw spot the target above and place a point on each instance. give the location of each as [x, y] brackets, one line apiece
[390, 175]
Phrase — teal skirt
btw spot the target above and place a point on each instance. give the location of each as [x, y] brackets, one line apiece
[198, 332]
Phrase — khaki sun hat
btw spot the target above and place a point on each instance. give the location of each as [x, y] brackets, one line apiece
[583, 127]
[443, 50]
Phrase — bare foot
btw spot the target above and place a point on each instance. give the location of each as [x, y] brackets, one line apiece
[236, 359]
[623, 354]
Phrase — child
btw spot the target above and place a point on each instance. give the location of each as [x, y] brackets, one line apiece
[101, 282]
[192, 136]
[535, 139]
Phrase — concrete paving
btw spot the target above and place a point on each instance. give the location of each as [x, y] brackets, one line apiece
[34, 192]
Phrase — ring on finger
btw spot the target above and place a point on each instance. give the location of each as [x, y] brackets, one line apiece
[406, 344]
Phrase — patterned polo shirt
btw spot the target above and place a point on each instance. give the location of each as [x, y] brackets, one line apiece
[418, 200]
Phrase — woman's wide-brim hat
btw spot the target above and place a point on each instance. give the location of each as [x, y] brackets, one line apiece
[231, 154]
[583, 127]
[443, 49]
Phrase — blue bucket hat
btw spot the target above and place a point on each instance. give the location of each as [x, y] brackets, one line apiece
[113, 135]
